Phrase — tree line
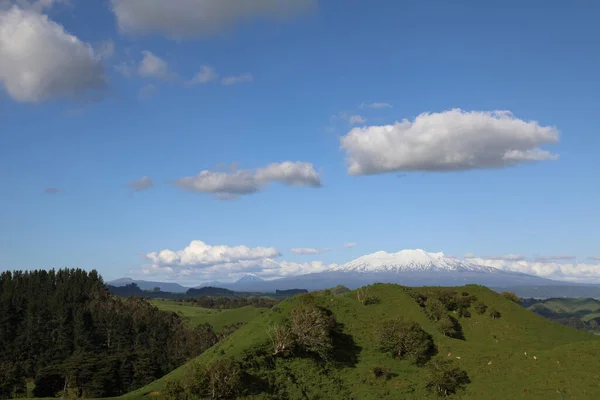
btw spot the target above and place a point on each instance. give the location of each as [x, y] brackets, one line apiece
[63, 329]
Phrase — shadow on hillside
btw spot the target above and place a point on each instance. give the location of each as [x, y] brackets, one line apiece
[345, 350]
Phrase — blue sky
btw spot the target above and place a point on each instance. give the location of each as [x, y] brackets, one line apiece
[88, 124]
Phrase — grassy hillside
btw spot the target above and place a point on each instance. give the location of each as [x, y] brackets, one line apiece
[493, 353]
[217, 318]
[569, 305]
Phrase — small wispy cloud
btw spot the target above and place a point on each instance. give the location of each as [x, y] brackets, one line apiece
[349, 245]
[356, 119]
[147, 91]
[144, 183]
[206, 75]
[560, 257]
[375, 105]
[51, 191]
[233, 80]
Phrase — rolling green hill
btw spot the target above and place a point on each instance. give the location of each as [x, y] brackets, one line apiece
[497, 354]
[217, 318]
[569, 305]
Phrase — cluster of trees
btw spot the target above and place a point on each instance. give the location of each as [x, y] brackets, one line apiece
[309, 331]
[64, 330]
[230, 302]
[437, 302]
[405, 339]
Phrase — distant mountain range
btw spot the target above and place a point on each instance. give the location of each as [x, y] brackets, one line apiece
[406, 267]
[148, 285]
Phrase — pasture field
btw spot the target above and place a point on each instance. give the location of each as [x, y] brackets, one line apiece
[519, 355]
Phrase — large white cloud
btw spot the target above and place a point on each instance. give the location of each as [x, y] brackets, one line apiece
[203, 261]
[447, 141]
[190, 18]
[231, 184]
[545, 267]
[200, 254]
[39, 60]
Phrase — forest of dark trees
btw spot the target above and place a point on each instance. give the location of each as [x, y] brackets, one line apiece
[65, 331]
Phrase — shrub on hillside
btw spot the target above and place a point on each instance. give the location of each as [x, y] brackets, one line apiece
[449, 326]
[365, 297]
[282, 339]
[479, 307]
[312, 327]
[340, 289]
[382, 372]
[448, 297]
[418, 297]
[405, 340]
[174, 390]
[203, 337]
[435, 309]
[512, 297]
[445, 377]
[494, 313]
[222, 379]
[229, 329]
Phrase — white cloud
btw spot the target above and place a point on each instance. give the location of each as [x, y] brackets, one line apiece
[37, 6]
[206, 262]
[228, 185]
[153, 66]
[375, 105]
[349, 245]
[448, 141]
[200, 255]
[141, 184]
[205, 75]
[356, 119]
[309, 250]
[233, 80]
[581, 272]
[559, 257]
[289, 173]
[507, 257]
[191, 18]
[39, 60]
[147, 91]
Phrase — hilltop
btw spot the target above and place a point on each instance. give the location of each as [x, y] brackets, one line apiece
[506, 352]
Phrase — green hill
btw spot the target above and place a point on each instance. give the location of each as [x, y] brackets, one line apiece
[569, 305]
[497, 354]
[217, 318]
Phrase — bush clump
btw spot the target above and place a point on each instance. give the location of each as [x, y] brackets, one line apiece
[480, 307]
[512, 297]
[405, 340]
[445, 378]
[494, 313]
[365, 297]
[312, 327]
[222, 379]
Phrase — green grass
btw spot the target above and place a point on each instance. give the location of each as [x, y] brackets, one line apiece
[568, 360]
[198, 315]
[569, 305]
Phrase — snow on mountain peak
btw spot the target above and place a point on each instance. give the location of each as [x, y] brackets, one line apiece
[408, 260]
[249, 278]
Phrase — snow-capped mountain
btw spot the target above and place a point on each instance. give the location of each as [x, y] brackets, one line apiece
[406, 267]
[410, 261]
[249, 278]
